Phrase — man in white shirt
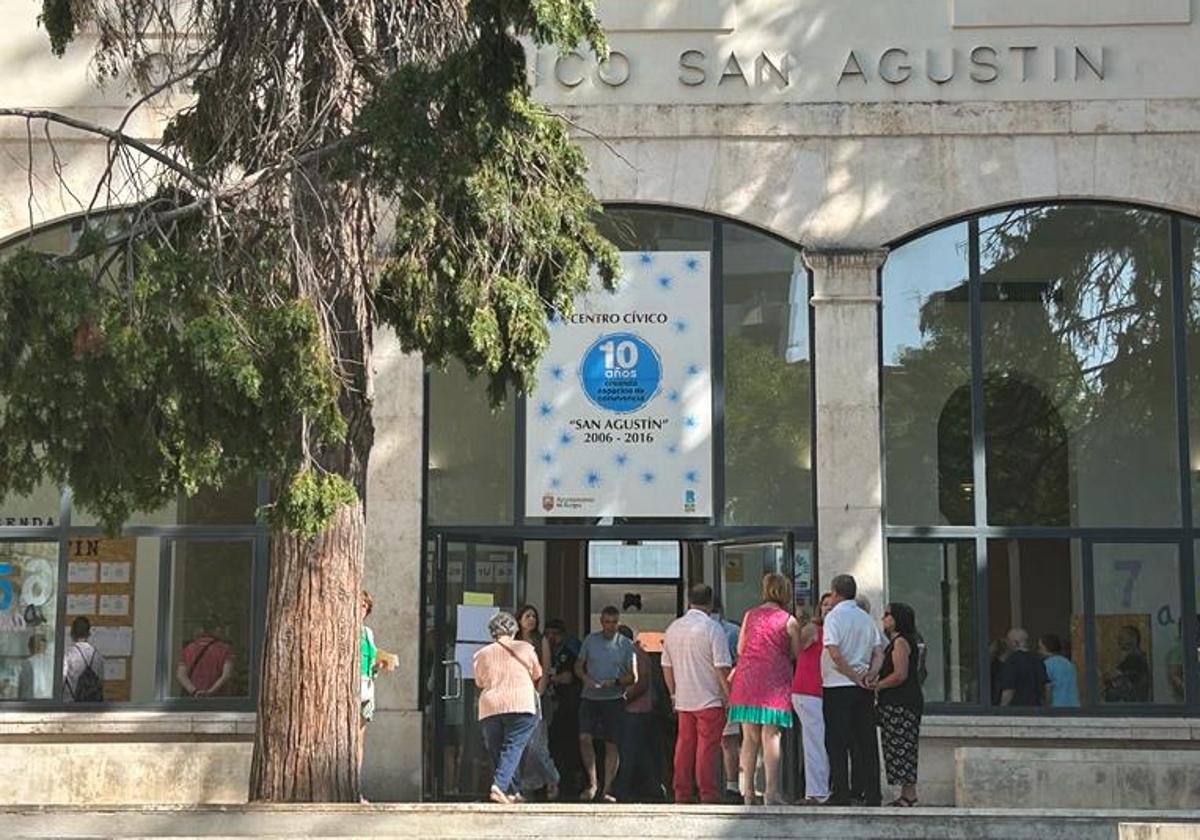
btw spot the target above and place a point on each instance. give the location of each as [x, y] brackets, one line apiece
[849, 666]
[696, 664]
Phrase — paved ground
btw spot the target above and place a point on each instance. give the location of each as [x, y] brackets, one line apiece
[582, 822]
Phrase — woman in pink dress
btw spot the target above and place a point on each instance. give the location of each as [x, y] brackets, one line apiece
[761, 696]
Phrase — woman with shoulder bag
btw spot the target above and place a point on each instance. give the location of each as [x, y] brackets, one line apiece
[901, 703]
[506, 674]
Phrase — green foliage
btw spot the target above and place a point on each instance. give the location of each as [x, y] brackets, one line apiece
[58, 16]
[191, 357]
[495, 226]
[309, 501]
[130, 391]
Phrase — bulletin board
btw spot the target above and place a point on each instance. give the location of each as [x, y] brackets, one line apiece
[100, 581]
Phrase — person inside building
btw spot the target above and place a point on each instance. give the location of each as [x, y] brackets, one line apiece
[639, 776]
[806, 700]
[696, 665]
[605, 659]
[83, 666]
[537, 772]
[900, 702]
[36, 681]
[760, 697]
[1062, 688]
[506, 675]
[561, 701]
[997, 653]
[1022, 676]
[205, 664]
[1129, 680]
[731, 737]
[851, 662]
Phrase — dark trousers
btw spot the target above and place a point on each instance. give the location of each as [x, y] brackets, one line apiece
[850, 735]
[639, 776]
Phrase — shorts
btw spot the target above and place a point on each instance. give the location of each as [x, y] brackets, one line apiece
[732, 727]
[601, 718]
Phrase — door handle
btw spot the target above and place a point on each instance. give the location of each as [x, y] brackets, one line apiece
[452, 671]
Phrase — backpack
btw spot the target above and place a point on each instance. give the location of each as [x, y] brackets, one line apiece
[89, 688]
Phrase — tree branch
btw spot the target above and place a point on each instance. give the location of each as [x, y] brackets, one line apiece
[112, 134]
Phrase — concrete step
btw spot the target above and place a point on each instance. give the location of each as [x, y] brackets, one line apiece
[580, 822]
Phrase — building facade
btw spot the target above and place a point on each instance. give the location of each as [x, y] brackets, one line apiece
[949, 253]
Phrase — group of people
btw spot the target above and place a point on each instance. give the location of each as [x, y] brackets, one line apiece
[1044, 676]
[732, 691]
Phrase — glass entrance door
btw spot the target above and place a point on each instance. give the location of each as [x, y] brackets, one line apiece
[473, 580]
[740, 567]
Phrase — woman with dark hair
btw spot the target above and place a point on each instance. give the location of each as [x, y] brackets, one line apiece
[900, 702]
[537, 767]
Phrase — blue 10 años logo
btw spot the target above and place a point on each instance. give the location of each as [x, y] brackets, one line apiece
[620, 372]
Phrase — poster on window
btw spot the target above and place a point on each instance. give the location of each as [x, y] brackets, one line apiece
[620, 422]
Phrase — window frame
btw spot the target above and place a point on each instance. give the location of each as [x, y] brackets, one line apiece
[1184, 535]
[257, 534]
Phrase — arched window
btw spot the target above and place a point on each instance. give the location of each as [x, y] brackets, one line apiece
[762, 391]
[1036, 368]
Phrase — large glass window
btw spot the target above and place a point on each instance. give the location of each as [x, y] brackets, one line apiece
[1137, 603]
[29, 590]
[938, 580]
[927, 381]
[762, 389]
[1079, 379]
[768, 376]
[134, 601]
[1032, 384]
[470, 452]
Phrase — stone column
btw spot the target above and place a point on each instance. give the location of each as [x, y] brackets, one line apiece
[848, 433]
[392, 573]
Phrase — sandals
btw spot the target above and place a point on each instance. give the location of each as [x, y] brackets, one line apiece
[902, 802]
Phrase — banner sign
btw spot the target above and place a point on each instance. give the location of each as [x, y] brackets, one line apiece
[620, 423]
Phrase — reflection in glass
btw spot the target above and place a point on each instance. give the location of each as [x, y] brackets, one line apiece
[1137, 621]
[1191, 267]
[926, 381]
[38, 509]
[210, 619]
[937, 579]
[645, 607]
[234, 504]
[633, 229]
[768, 376]
[742, 568]
[470, 452]
[1035, 586]
[28, 619]
[1079, 397]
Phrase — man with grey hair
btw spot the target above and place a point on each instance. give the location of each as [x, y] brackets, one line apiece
[1023, 676]
[849, 666]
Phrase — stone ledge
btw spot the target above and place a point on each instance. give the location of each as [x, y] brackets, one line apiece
[1061, 728]
[158, 726]
[884, 119]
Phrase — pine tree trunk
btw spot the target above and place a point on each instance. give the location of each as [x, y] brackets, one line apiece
[307, 734]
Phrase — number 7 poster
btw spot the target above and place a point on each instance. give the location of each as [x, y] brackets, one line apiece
[620, 421]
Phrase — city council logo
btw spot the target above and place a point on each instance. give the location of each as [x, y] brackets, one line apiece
[548, 502]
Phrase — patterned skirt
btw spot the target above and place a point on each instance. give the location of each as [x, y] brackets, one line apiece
[900, 729]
